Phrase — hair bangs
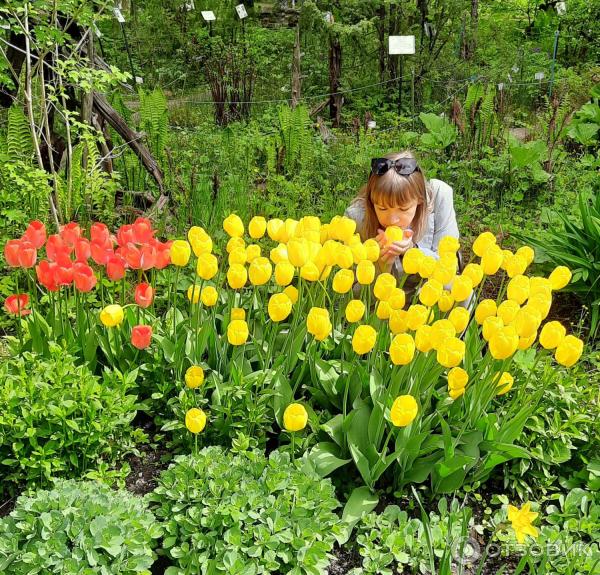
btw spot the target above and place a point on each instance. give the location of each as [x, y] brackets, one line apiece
[395, 191]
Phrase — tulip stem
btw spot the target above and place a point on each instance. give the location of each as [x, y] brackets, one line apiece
[293, 446]
[175, 305]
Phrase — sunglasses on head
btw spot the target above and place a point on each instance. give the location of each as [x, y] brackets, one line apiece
[403, 166]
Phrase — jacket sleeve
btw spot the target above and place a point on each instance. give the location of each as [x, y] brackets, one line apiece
[445, 223]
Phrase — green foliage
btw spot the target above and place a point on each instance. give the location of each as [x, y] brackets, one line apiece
[76, 528]
[225, 513]
[18, 145]
[577, 246]
[57, 419]
[154, 120]
[585, 125]
[441, 133]
[392, 542]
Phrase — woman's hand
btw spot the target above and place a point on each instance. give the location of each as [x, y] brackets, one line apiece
[388, 253]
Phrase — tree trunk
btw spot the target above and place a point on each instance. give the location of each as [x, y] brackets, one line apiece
[335, 72]
[296, 81]
[381, 36]
[474, 25]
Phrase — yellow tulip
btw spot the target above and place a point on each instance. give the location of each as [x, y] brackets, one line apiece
[344, 258]
[355, 310]
[298, 253]
[430, 292]
[504, 342]
[207, 266]
[237, 332]
[393, 234]
[504, 383]
[459, 317]
[365, 272]
[112, 315]
[486, 308]
[404, 410]
[318, 323]
[384, 286]
[423, 338]
[552, 334]
[343, 281]
[560, 277]
[372, 249]
[280, 307]
[427, 266]
[515, 265]
[491, 260]
[462, 288]
[310, 272]
[200, 241]
[295, 417]
[397, 299]
[448, 244]
[290, 228]
[383, 310]
[451, 353]
[457, 379]
[279, 254]
[491, 325]
[359, 252]
[569, 351]
[180, 253]
[444, 270]
[195, 420]
[483, 243]
[412, 260]
[257, 227]
[194, 376]
[235, 243]
[526, 253]
[417, 315]
[193, 294]
[474, 272]
[209, 296]
[540, 301]
[276, 229]
[284, 273]
[292, 293]
[441, 330]
[402, 349]
[518, 289]
[237, 313]
[237, 256]
[237, 276]
[540, 285]
[253, 251]
[527, 342]
[364, 339]
[260, 271]
[526, 322]
[341, 228]
[446, 301]
[507, 311]
[234, 226]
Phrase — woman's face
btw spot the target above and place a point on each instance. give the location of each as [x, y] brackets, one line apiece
[401, 216]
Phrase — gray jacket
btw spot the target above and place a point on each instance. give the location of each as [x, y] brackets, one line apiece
[441, 220]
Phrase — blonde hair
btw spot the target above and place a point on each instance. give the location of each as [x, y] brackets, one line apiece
[394, 190]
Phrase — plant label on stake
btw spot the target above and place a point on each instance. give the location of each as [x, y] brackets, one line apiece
[189, 6]
[561, 8]
[328, 17]
[241, 11]
[119, 15]
[208, 15]
[539, 75]
[401, 45]
[501, 86]
[139, 80]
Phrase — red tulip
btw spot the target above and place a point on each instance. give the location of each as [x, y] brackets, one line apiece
[144, 294]
[99, 234]
[83, 277]
[125, 235]
[36, 234]
[63, 275]
[142, 231]
[70, 232]
[101, 253]
[115, 268]
[27, 254]
[148, 258]
[83, 250]
[141, 336]
[15, 304]
[46, 274]
[132, 255]
[163, 255]
[11, 253]
[58, 251]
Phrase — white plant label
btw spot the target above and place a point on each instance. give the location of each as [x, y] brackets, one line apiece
[402, 45]
[539, 75]
[119, 15]
[208, 15]
[501, 86]
[561, 8]
[139, 80]
[241, 11]
[328, 17]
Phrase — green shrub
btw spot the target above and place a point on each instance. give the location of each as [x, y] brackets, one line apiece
[246, 514]
[57, 419]
[78, 528]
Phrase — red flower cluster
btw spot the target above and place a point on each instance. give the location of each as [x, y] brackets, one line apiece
[68, 253]
[16, 304]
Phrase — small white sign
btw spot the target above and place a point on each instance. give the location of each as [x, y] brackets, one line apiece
[328, 17]
[241, 11]
[515, 68]
[539, 75]
[501, 86]
[139, 80]
[428, 28]
[371, 125]
[189, 6]
[402, 45]
[119, 15]
[561, 8]
[208, 15]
